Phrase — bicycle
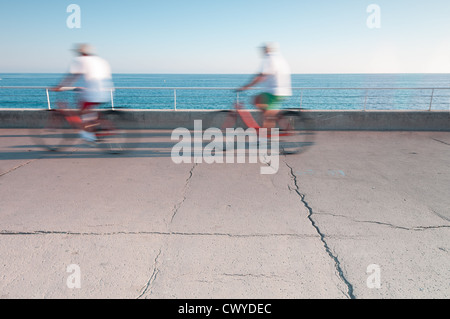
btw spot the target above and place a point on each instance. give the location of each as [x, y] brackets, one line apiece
[295, 128]
[60, 128]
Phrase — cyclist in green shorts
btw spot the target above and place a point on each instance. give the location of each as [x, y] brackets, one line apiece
[275, 74]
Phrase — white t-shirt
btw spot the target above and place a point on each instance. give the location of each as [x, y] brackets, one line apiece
[97, 78]
[278, 81]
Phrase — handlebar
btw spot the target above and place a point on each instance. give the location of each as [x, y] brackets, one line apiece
[66, 88]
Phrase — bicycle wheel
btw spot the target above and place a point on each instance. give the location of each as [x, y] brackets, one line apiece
[223, 120]
[296, 131]
[116, 133]
[55, 133]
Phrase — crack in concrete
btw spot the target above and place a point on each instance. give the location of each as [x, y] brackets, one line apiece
[41, 232]
[177, 207]
[152, 278]
[17, 167]
[418, 228]
[337, 263]
[440, 216]
[440, 141]
[31, 161]
[251, 275]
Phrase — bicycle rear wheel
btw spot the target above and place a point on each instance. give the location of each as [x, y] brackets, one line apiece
[296, 132]
[55, 133]
[116, 133]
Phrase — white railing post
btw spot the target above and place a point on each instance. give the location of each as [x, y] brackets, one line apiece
[365, 100]
[175, 99]
[112, 100]
[431, 100]
[48, 100]
[301, 98]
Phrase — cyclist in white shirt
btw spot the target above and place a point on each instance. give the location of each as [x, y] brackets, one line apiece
[275, 75]
[96, 86]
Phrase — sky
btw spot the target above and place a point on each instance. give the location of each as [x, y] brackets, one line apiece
[223, 36]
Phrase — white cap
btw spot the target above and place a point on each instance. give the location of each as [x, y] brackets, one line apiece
[86, 49]
[271, 46]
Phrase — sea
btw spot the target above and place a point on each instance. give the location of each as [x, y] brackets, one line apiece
[217, 91]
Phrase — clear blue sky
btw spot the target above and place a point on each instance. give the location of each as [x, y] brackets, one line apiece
[222, 36]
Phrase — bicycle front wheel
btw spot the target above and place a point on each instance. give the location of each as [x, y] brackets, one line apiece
[54, 132]
[296, 131]
[223, 120]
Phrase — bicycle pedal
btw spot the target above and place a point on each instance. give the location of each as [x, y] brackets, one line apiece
[88, 136]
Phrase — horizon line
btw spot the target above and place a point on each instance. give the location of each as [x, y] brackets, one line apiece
[190, 73]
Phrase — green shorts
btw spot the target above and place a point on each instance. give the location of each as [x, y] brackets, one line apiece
[273, 101]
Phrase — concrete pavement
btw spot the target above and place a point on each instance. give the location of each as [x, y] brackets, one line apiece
[140, 226]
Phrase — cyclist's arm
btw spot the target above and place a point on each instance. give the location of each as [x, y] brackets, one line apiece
[67, 81]
[257, 79]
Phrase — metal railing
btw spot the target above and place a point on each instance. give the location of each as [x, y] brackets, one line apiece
[317, 98]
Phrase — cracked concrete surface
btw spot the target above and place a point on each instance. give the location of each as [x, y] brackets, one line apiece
[147, 288]
[140, 226]
[322, 236]
[186, 186]
[392, 200]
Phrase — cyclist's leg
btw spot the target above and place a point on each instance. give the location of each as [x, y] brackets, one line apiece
[89, 118]
[89, 121]
[270, 118]
[270, 105]
[261, 101]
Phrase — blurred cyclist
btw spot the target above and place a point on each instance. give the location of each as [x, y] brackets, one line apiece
[275, 74]
[95, 74]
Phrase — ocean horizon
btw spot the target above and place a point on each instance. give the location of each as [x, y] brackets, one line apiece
[413, 91]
